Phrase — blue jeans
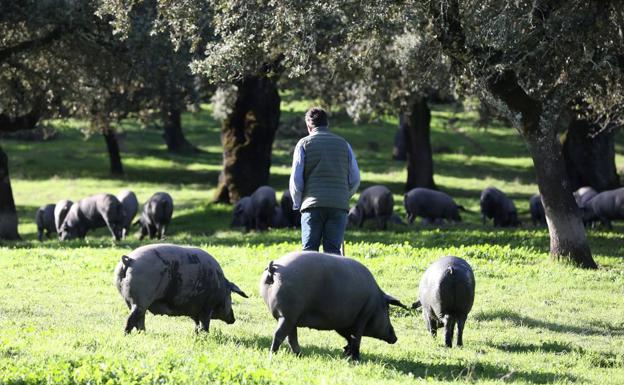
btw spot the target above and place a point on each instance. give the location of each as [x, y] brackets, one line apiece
[326, 224]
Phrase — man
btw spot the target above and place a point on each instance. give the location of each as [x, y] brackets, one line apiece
[324, 176]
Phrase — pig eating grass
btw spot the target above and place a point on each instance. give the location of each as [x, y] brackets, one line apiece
[446, 294]
[176, 281]
[326, 292]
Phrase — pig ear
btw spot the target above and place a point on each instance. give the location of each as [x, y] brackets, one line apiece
[393, 301]
[237, 290]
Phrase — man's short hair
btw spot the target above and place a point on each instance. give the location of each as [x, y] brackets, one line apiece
[316, 117]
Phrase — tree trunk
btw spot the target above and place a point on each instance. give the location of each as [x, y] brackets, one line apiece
[173, 135]
[418, 145]
[568, 241]
[112, 145]
[247, 138]
[590, 161]
[8, 213]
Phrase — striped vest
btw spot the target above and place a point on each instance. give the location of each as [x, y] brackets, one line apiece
[326, 171]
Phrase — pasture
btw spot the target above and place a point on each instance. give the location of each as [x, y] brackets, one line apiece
[534, 320]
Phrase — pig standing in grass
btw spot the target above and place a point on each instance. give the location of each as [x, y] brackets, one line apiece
[242, 215]
[538, 217]
[93, 212]
[292, 216]
[130, 204]
[45, 221]
[176, 281]
[495, 204]
[156, 216]
[60, 212]
[375, 202]
[263, 203]
[605, 207]
[326, 292]
[430, 205]
[446, 294]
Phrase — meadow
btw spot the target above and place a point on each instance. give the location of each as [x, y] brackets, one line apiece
[534, 321]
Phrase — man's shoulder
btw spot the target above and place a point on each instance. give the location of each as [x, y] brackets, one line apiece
[323, 136]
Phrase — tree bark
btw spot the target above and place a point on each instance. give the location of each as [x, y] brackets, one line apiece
[173, 135]
[418, 146]
[568, 240]
[590, 160]
[8, 213]
[112, 145]
[247, 138]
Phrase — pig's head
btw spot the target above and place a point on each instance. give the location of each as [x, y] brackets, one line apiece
[380, 326]
[224, 311]
[240, 208]
[355, 215]
[68, 232]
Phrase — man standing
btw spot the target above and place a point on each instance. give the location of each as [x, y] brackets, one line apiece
[324, 176]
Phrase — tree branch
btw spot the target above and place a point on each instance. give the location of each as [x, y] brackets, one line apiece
[48, 38]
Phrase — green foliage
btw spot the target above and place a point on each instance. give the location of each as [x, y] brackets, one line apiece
[534, 320]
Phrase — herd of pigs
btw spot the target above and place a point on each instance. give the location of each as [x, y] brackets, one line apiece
[303, 288]
[261, 211]
[74, 219]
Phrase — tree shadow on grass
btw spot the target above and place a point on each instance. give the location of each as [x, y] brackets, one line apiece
[599, 359]
[408, 367]
[523, 321]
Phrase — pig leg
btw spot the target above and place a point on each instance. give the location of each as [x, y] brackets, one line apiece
[294, 342]
[410, 218]
[284, 327]
[111, 229]
[143, 233]
[141, 323]
[430, 323]
[449, 326]
[204, 320]
[134, 319]
[40, 234]
[460, 330]
[347, 348]
[354, 349]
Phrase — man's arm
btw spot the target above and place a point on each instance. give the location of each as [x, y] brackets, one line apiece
[296, 183]
[354, 172]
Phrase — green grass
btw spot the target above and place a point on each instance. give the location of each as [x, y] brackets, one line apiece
[534, 320]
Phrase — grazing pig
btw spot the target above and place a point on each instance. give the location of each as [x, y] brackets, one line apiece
[538, 217]
[584, 195]
[60, 212]
[292, 216]
[326, 292]
[93, 212]
[446, 294]
[130, 205]
[174, 280]
[375, 202]
[495, 204]
[279, 220]
[605, 207]
[242, 215]
[431, 205]
[156, 216]
[263, 204]
[45, 221]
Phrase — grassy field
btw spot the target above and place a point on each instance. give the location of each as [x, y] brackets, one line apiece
[534, 321]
